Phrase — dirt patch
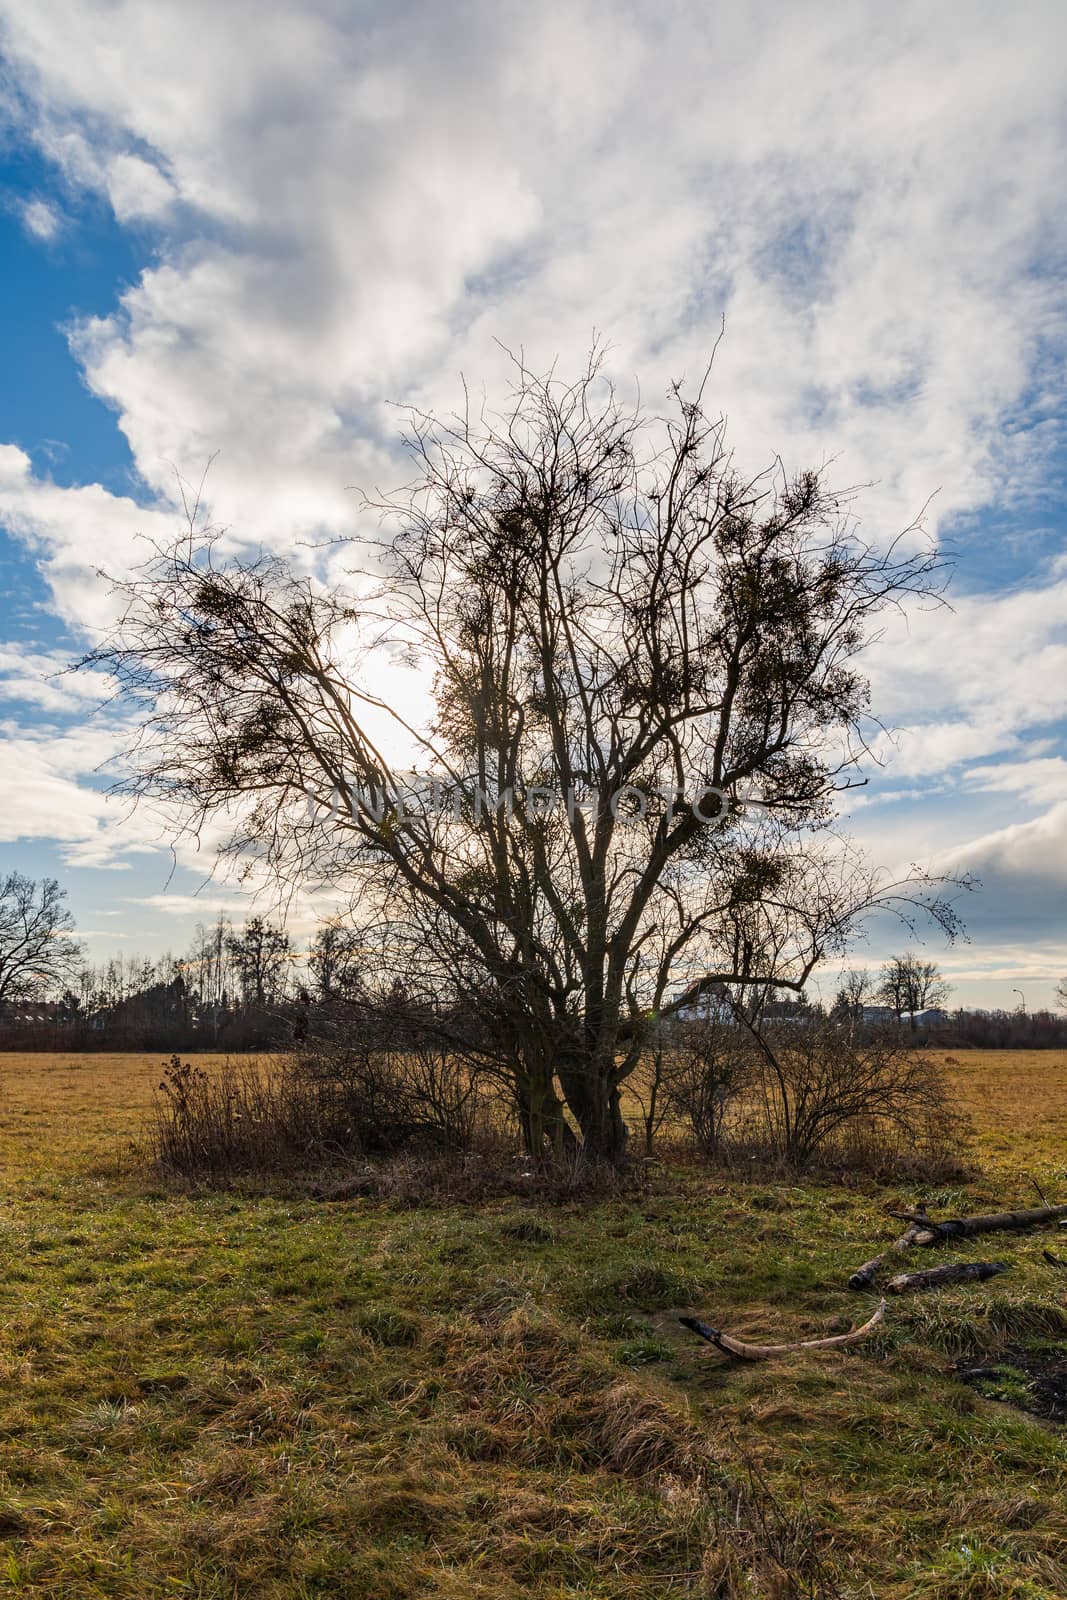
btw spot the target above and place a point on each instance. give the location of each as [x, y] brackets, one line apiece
[1034, 1380]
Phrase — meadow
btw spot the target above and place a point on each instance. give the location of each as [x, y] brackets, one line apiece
[221, 1395]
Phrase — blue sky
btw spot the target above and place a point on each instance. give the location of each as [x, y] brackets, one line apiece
[241, 231]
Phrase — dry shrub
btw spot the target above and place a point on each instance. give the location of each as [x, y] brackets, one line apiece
[387, 1100]
[311, 1109]
[409, 1128]
[817, 1092]
[242, 1119]
[705, 1070]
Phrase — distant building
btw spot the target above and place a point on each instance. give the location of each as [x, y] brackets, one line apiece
[27, 1013]
[879, 1014]
[787, 1011]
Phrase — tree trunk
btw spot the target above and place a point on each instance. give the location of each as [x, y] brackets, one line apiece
[545, 1130]
[593, 1099]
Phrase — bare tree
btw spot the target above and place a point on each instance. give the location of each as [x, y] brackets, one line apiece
[909, 984]
[260, 955]
[37, 952]
[335, 960]
[208, 962]
[624, 637]
[855, 990]
[1061, 995]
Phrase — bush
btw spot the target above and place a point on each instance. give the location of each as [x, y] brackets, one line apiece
[705, 1070]
[409, 1127]
[822, 1084]
[816, 1091]
[322, 1106]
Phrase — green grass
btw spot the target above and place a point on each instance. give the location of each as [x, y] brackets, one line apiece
[220, 1397]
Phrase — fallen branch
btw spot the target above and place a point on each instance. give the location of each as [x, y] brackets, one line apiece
[930, 1232]
[1054, 1261]
[760, 1352]
[864, 1276]
[936, 1277]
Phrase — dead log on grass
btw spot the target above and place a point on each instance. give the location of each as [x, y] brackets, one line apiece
[760, 1352]
[864, 1276]
[929, 1232]
[938, 1277]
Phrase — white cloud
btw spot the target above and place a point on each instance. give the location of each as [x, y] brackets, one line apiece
[78, 533]
[187, 906]
[137, 189]
[958, 685]
[44, 679]
[361, 211]
[46, 792]
[1036, 850]
[1039, 780]
[41, 220]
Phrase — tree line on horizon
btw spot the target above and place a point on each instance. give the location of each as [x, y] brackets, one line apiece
[252, 987]
[235, 987]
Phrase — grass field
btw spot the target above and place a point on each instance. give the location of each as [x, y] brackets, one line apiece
[222, 1396]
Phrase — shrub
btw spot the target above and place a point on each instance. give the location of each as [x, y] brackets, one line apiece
[306, 1110]
[704, 1071]
[815, 1091]
[822, 1083]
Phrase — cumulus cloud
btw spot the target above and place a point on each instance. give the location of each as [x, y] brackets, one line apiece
[356, 212]
[137, 189]
[79, 535]
[50, 789]
[971, 681]
[42, 678]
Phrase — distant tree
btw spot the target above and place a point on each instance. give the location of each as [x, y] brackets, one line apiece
[334, 960]
[1061, 995]
[260, 954]
[208, 963]
[909, 984]
[37, 952]
[856, 989]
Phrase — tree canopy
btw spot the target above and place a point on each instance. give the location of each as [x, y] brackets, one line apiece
[645, 695]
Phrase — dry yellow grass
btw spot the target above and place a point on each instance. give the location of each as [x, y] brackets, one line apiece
[64, 1109]
[1018, 1101]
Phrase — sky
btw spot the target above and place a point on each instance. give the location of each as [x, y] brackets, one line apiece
[242, 233]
